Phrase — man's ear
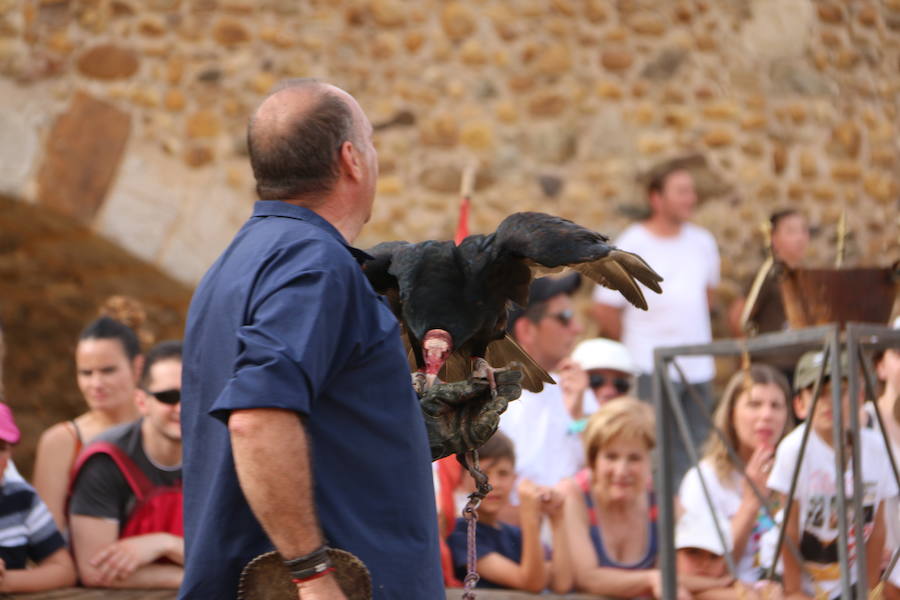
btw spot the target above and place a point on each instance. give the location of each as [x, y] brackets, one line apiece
[350, 160]
[142, 401]
[522, 330]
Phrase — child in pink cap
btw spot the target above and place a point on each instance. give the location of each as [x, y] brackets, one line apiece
[27, 530]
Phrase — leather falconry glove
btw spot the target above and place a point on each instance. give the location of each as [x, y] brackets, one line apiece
[462, 415]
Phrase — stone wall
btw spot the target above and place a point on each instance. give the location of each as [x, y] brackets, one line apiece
[129, 115]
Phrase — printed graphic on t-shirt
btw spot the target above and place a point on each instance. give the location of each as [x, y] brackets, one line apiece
[819, 532]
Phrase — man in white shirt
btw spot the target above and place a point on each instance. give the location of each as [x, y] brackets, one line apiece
[543, 426]
[688, 259]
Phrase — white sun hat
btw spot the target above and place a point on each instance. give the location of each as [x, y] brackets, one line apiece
[602, 353]
[696, 529]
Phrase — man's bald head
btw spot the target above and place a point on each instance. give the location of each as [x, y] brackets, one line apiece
[294, 139]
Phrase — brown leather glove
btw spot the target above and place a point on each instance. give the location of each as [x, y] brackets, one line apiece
[462, 415]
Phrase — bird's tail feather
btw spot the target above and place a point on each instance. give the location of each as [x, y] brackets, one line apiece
[500, 353]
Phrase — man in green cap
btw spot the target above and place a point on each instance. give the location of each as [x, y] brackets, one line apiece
[812, 524]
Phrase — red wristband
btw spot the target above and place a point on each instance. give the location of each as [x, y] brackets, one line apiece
[298, 581]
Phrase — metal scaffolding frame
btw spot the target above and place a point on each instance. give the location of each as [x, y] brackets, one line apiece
[858, 340]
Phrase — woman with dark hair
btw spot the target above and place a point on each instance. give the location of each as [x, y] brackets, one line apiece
[108, 363]
[753, 415]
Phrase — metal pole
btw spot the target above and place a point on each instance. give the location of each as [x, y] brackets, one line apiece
[664, 483]
[681, 422]
[862, 581]
[840, 462]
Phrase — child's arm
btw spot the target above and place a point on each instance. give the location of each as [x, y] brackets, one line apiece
[530, 572]
[874, 547]
[744, 520]
[793, 582]
[561, 576]
[54, 572]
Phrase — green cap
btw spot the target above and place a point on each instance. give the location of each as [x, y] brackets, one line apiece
[808, 369]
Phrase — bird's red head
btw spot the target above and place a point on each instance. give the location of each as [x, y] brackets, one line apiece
[436, 347]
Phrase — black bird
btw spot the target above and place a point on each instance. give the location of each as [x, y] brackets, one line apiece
[453, 300]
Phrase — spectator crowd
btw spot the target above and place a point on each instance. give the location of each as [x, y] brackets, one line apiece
[573, 507]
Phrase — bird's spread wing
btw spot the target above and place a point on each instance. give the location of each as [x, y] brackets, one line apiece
[545, 242]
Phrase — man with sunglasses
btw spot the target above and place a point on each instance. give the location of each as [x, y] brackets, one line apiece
[125, 503]
[544, 426]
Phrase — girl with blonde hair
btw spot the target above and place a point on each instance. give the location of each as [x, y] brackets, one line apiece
[753, 415]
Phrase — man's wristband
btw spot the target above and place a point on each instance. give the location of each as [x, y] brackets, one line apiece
[310, 566]
[299, 580]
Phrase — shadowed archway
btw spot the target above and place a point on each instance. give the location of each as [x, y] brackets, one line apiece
[54, 275]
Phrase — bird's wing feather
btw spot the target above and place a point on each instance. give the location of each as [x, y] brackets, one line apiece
[500, 353]
[545, 242]
[377, 269]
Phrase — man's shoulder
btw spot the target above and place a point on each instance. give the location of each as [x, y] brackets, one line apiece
[873, 445]
[789, 446]
[120, 435]
[632, 232]
[696, 232]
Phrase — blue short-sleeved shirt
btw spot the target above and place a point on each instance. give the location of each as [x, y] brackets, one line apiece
[285, 318]
[504, 539]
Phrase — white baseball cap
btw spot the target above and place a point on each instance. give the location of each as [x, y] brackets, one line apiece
[601, 353]
[696, 529]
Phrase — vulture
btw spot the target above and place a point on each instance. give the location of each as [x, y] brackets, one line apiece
[452, 300]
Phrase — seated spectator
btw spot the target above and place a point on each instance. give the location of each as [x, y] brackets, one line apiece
[887, 368]
[125, 505]
[812, 523]
[11, 473]
[698, 548]
[27, 530]
[753, 415]
[700, 555]
[609, 367]
[609, 514]
[610, 517]
[544, 426]
[510, 557]
[108, 364]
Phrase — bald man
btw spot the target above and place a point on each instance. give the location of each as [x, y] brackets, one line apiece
[301, 428]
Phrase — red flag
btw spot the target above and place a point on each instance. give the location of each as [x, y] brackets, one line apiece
[468, 180]
[462, 228]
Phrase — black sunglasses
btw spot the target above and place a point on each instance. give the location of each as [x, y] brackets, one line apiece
[564, 316]
[170, 397]
[598, 380]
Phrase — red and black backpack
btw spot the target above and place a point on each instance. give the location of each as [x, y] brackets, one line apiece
[157, 508]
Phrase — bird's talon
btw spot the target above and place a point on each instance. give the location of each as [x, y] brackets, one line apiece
[482, 369]
[419, 383]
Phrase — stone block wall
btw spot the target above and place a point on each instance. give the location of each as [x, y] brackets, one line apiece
[129, 116]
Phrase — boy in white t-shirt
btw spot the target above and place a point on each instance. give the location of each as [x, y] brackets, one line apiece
[813, 521]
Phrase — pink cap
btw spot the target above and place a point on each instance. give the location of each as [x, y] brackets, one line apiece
[8, 430]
